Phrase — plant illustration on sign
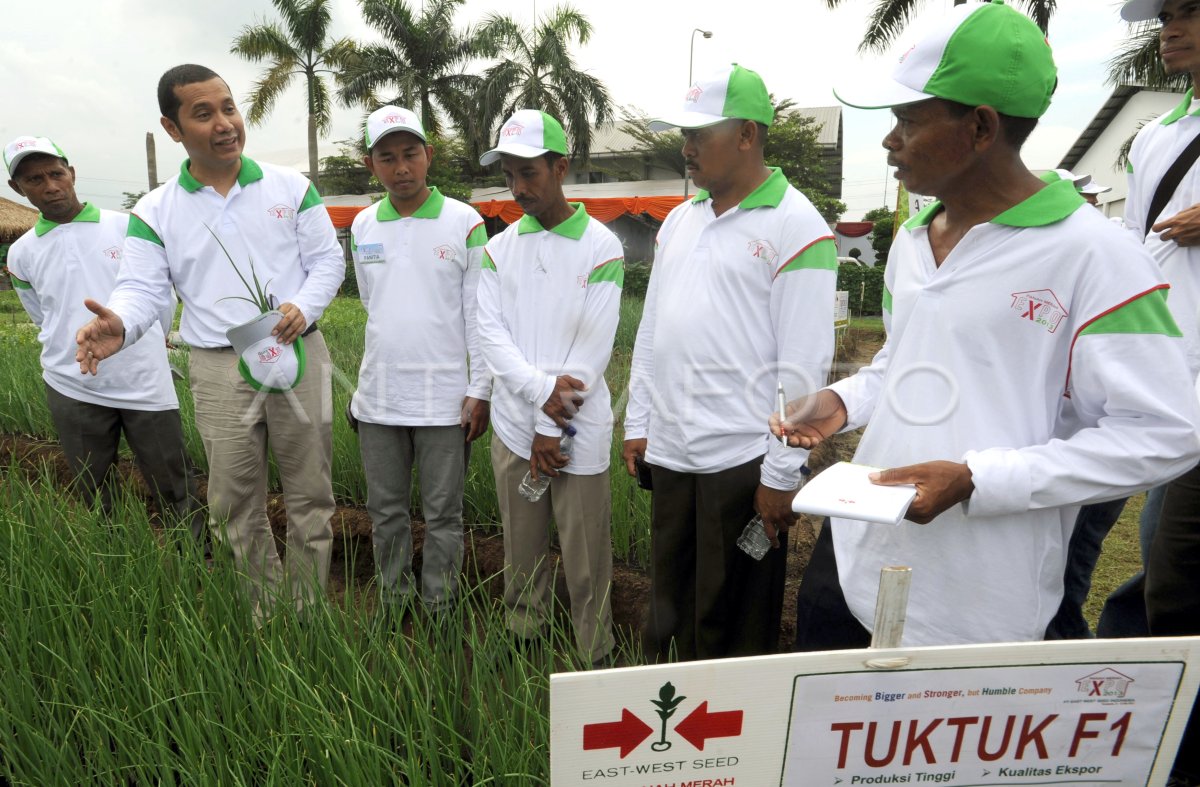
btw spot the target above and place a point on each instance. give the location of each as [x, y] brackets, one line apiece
[666, 703]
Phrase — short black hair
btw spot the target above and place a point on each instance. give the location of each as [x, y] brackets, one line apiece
[1016, 130]
[552, 157]
[186, 74]
[37, 157]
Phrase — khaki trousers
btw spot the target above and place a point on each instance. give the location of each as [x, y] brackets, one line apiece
[236, 424]
[581, 506]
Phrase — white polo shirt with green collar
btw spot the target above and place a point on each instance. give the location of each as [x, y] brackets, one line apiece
[736, 304]
[418, 278]
[549, 303]
[54, 267]
[1041, 353]
[273, 225]
[1154, 150]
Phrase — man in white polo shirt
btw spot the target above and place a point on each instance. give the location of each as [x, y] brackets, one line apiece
[73, 252]
[549, 302]
[740, 299]
[207, 232]
[1031, 363]
[417, 255]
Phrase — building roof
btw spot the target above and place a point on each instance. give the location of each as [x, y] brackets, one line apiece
[15, 220]
[1111, 108]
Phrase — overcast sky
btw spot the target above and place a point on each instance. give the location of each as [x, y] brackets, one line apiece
[84, 73]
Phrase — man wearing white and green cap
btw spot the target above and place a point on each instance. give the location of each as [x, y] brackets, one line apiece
[549, 303]
[1031, 364]
[1170, 224]
[73, 252]
[740, 300]
[223, 222]
[416, 256]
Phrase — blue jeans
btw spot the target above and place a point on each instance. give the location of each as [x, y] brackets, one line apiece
[1124, 613]
[1091, 526]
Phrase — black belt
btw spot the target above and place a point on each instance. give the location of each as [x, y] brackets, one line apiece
[309, 329]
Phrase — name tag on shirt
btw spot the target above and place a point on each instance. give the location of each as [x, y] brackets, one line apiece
[368, 253]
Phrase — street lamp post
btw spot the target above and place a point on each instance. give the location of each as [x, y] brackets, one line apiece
[691, 53]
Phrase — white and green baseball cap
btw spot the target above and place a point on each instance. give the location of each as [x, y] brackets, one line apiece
[977, 54]
[732, 92]
[387, 119]
[1079, 181]
[21, 147]
[529, 133]
[1141, 10]
[1092, 187]
[265, 363]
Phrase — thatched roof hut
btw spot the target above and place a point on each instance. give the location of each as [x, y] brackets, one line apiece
[15, 220]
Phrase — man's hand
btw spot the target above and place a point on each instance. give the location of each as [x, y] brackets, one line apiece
[292, 325]
[775, 508]
[631, 450]
[99, 339]
[940, 485]
[476, 414]
[1183, 227]
[545, 457]
[810, 419]
[564, 400]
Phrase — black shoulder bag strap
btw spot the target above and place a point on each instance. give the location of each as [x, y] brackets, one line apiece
[1170, 182]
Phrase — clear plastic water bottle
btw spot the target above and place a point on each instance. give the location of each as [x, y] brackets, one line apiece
[533, 490]
[753, 540]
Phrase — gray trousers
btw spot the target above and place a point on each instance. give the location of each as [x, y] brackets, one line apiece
[440, 454]
[90, 435]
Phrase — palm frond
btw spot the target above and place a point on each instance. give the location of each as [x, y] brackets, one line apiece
[1137, 62]
[275, 80]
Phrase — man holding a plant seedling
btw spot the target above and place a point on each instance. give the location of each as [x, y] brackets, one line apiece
[417, 254]
[549, 301]
[75, 251]
[252, 253]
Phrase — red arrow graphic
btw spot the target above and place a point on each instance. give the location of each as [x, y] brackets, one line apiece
[700, 725]
[626, 733]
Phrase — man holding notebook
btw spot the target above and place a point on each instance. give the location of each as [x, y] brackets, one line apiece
[1031, 363]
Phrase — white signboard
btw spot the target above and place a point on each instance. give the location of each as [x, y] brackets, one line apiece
[841, 309]
[1064, 713]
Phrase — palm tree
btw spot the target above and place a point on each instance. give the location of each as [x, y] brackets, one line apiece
[890, 17]
[1137, 62]
[300, 50]
[537, 71]
[419, 65]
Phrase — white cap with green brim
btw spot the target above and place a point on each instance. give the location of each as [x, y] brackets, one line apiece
[1079, 181]
[1141, 10]
[733, 92]
[21, 147]
[387, 119]
[265, 363]
[529, 133]
[977, 54]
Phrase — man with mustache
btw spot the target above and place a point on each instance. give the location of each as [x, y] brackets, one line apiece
[222, 219]
[740, 299]
[1031, 363]
[1172, 576]
[549, 303]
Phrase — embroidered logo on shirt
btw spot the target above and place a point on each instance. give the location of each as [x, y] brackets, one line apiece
[112, 252]
[281, 212]
[762, 249]
[445, 253]
[1040, 307]
[582, 281]
[270, 354]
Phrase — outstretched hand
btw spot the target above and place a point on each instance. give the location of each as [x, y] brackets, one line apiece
[940, 486]
[810, 419]
[101, 338]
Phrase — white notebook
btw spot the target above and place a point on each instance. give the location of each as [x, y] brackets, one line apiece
[844, 491]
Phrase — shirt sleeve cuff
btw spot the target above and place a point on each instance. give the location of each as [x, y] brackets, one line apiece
[1003, 484]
